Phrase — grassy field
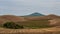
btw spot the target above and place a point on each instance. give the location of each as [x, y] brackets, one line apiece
[32, 27]
[35, 24]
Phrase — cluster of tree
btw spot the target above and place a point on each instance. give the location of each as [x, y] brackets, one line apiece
[12, 25]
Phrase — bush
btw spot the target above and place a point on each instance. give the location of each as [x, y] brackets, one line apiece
[12, 25]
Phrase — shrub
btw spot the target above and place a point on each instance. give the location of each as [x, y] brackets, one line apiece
[12, 25]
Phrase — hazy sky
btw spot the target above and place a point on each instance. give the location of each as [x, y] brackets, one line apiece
[25, 7]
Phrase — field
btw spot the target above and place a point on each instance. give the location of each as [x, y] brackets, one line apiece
[32, 27]
[30, 31]
[35, 24]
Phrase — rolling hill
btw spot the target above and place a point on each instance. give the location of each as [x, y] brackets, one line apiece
[8, 18]
[29, 21]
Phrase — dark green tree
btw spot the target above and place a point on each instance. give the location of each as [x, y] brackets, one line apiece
[12, 25]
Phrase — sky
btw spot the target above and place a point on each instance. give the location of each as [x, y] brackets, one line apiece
[25, 7]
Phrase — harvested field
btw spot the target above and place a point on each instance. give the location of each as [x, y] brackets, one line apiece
[31, 31]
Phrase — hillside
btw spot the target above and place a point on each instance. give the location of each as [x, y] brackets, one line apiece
[30, 21]
[7, 18]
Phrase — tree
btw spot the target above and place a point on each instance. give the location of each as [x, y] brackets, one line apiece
[12, 25]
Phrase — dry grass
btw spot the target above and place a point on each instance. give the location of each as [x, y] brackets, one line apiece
[31, 31]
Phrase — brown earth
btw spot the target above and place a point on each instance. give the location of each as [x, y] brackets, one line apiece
[55, 22]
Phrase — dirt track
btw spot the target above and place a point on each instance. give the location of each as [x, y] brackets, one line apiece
[31, 31]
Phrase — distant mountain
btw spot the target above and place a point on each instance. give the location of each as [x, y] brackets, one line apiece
[35, 14]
